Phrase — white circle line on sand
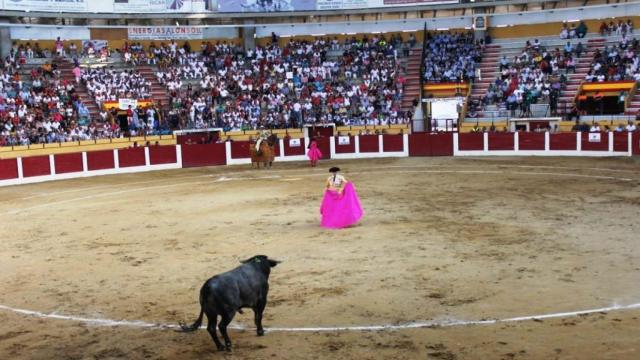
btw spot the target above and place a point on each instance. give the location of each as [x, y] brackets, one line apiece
[412, 325]
[409, 325]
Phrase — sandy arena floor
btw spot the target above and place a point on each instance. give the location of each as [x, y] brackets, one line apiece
[442, 239]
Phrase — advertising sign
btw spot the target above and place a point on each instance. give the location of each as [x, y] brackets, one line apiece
[123, 104]
[139, 5]
[266, 5]
[416, 2]
[97, 44]
[594, 137]
[344, 140]
[480, 22]
[294, 142]
[341, 4]
[165, 33]
[46, 5]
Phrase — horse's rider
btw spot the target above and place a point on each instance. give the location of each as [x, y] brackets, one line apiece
[262, 136]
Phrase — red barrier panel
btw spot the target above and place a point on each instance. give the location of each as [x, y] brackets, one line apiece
[635, 143]
[99, 160]
[325, 148]
[471, 141]
[425, 144]
[501, 141]
[36, 166]
[204, 155]
[592, 145]
[441, 144]
[530, 141]
[165, 154]
[392, 143]
[131, 157]
[562, 141]
[621, 141]
[68, 163]
[369, 143]
[419, 144]
[241, 149]
[8, 169]
[348, 148]
[296, 150]
[276, 148]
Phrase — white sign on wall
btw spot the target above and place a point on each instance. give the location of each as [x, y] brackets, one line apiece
[594, 137]
[51, 33]
[124, 104]
[294, 142]
[139, 5]
[97, 44]
[46, 5]
[344, 140]
[165, 33]
[341, 4]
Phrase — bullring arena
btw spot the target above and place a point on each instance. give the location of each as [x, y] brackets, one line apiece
[444, 240]
[146, 146]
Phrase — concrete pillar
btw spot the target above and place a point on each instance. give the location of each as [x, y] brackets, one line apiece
[248, 35]
[5, 41]
[419, 119]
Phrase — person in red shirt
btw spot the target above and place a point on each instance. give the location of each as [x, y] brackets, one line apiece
[129, 115]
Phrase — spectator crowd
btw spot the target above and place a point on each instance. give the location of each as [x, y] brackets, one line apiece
[41, 107]
[285, 86]
[616, 62]
[538, 74]
[360, 82]
[451, 57]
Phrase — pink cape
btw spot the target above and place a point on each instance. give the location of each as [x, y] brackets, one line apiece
[340, 211]
[314, 153]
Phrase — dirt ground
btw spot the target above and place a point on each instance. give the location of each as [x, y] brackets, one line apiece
[442, 239]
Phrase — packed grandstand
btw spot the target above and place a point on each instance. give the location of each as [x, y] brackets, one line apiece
[69, 91]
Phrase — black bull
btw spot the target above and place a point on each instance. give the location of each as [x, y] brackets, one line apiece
[225, 294]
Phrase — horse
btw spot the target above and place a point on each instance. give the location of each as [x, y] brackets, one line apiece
[266, 154]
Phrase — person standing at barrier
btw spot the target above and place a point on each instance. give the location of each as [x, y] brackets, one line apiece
[314, 154]
[340, 206]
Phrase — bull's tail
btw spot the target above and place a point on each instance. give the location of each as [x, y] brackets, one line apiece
[195, 326]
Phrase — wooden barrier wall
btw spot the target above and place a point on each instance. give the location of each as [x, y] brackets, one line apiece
[139, 159]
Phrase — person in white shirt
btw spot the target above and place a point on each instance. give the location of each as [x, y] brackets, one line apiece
[595, 128]
[631, 126]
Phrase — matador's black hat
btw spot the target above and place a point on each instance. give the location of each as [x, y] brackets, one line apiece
[334, 169]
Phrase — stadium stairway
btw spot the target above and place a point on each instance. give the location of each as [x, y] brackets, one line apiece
[488, 71]
[412, 85]
[574, 80]
[66, 73]
[489, 68]
[634, 105]
[159, 93]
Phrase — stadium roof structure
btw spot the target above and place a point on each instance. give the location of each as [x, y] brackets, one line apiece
[462, 8]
